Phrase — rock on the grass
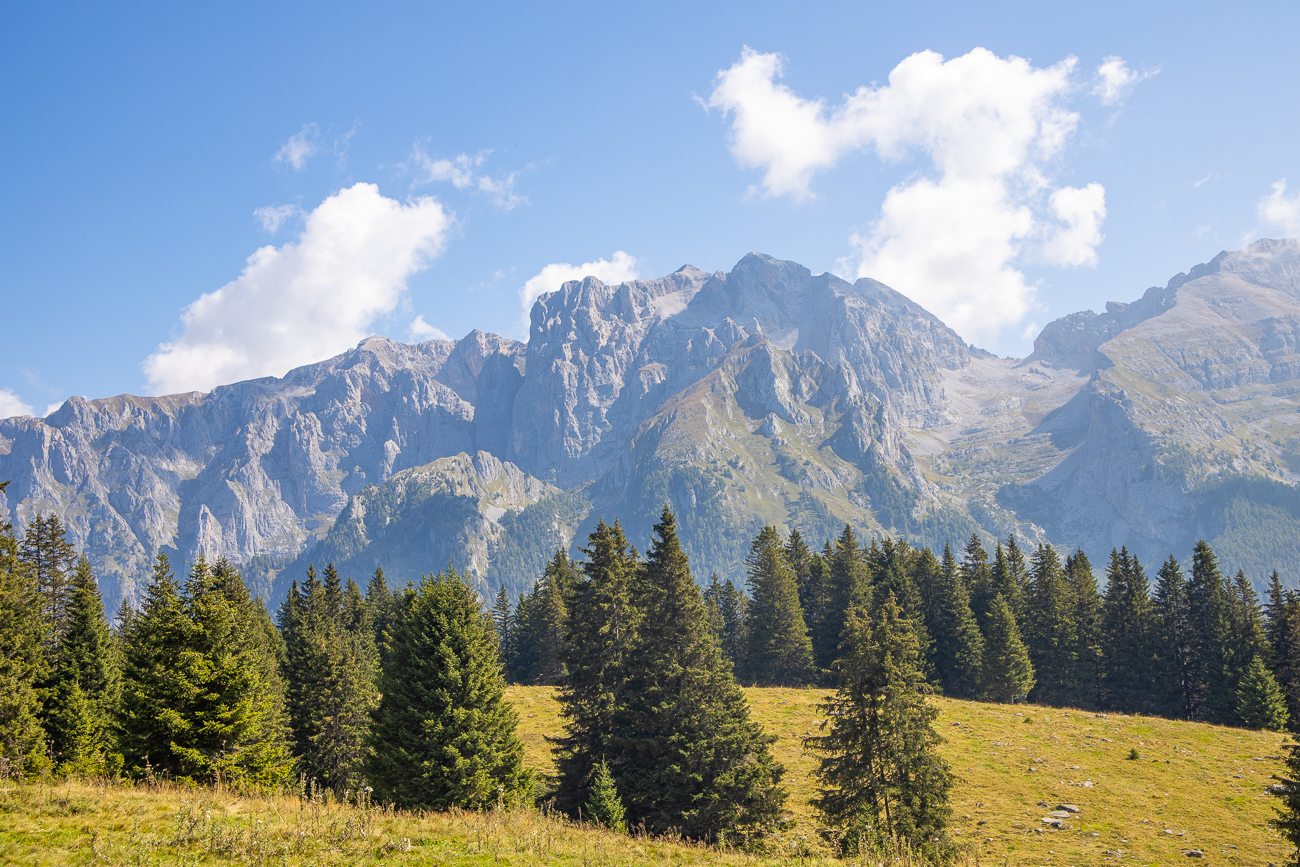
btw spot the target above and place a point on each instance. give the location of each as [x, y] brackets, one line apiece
[1053, 821]
[1194, 853]
[1069, 808]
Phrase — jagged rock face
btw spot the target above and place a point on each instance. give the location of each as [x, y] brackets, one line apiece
[766, 395]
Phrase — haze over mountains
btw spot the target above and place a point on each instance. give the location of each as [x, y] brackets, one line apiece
[765, 395]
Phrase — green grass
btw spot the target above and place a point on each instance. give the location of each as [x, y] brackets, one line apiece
[1206, 782]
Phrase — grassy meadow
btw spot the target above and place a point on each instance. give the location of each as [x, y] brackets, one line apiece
[1204, 784]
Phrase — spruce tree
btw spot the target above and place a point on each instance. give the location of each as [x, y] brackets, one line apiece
[444, 735]
[1246, 626]
[605, 807]
[1051, 633]
[779, 651]
[501, 622]
[539, 625]
[1130, 672]
[1209, 603]
[800, 559]
[978, 578]
[49, 557]
[1281, 631]
[683, 748]
[1261, 705]
[1086, 612]
[731, 608]
[22, 741]
[893, 568]
[881, 778]
[847, 583]
[86, 684]
[379, 602]
[1008, 672]
[1010, 577]
[959, 645]
[1176, 642]
[1288, 790]
[601, 627]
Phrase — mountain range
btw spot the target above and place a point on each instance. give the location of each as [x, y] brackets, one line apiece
[765, 395]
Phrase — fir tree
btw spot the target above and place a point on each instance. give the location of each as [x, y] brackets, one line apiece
[1282, 636]
[978, 578]
[1050, 630]
[1246, 626]
[22, 741]
[882, 779]
[1212, 693]
[380, 603]
[800, 560]
[1131, 676]
[600, 629]
[685, 752]
[49, 557]
[959, 645]
[1010, 577]
[847, 583]
[893, 568]
[539, 625]
[731, 608]
[1261, 705]
[1176, 644]
[1008, 672]
[1288, 820]
[444, 735]
[501, 622]
[605, 807]
[86, 685]
[1086, 612]
[779, 651]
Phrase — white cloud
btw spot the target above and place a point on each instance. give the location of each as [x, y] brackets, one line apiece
[461, 171]
[49, 408]
[1277, 209]
[300, 147]
[618, 269]
[1114, 80]
[419, 331]
[307, 299]
[272, 217]
[990, 127]
[12, 405]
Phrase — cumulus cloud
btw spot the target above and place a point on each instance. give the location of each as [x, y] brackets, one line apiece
[462, 172]
[619, 268]
[12, 405]
[419, 331]
[272, 217]
[1114, 80]
[300, 147]
[990, 127]
[1280, 210]
[307, 299]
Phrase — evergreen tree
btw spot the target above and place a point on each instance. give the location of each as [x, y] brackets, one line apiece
[1008, 672]
[1175, 642]
[200, 694]
[1010, 577]
[712, 596]
[1086, 612]
[380, 603]
[49, 557]
[882, 779]
[779, 651]
[1282, 637]
[731, 608]
[1261, 705]
[978, 578]
[1050, 630]
[1212, 692]
[539, 625]
[605, 807]
[959, 645]
[683, 748]
[501, 622]
[600, 629]
[22, 741]
[847, 583]
[86, 685]
[1246, 626]
[444, 735]
[1130, 674]
[1288, 820]
[892, 569]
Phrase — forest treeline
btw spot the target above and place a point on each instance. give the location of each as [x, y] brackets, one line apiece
[1007, 626]
[398, 695]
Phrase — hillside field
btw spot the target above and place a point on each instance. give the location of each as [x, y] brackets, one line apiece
[1193, 787]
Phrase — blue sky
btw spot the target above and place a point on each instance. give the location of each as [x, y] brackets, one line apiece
[414, 169]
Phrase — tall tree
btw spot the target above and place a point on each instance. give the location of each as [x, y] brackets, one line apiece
[539, 625]
[978, 578]
[49, 557]
[1051, 633]
[882, 779]
[380, 603]
[893, 570]
[86, 685]
[800, 559]
[779, 651]
[502, 621]
[1086, 611]
[1209, 603]
[1288, 790]
[444, 734]
[1282, 636]
[685, 753]
[22, 741]
[847, 583]
[1177, 668]
[601, 628]
[1011, 577]
[1008, 672]
[959, 645]
[1131, 676]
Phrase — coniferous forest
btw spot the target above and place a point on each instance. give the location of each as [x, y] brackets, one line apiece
[399, 693]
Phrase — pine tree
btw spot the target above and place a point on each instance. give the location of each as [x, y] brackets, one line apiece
[600, 629]
[959, 645]
[86, 685]
[978, 578]
[1050, 630]
[1008, 672]
[1130, 672]
[1086, 612]
[684, 750]
[882, 779]
[847, 583]
[539, 625]
[779, 651]
[892, 570]
[605, 807]
[800, 560]
[501, 622]
[731, 607]
[1261, 705]
[1246, 626]
[380, 603]
[1175, 639]
[444, 735]
[1282, 636]
[1010, 577]
[22, 741]
[1212, 692]
[1288, 789]
[50, 557]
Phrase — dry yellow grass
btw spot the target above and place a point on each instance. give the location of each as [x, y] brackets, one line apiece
[1205, 784]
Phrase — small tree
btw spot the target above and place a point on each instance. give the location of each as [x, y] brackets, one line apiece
[1288, 820]
[1008, 673]
[1261, 703]
[605, 807]
[444, 735]
[883, 782]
